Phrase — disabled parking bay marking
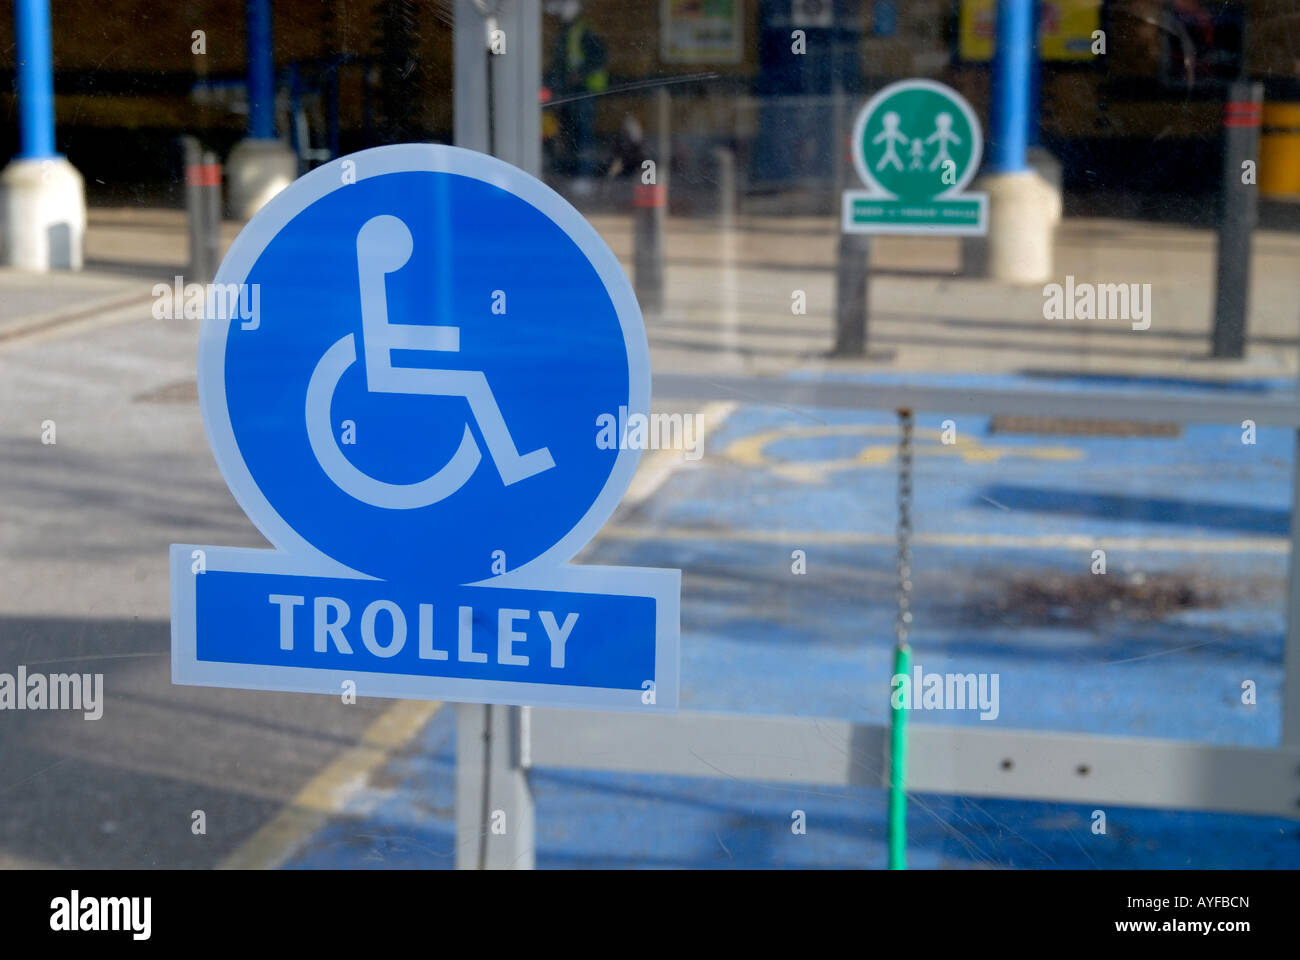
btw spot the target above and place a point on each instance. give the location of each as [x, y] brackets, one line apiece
[756, 450]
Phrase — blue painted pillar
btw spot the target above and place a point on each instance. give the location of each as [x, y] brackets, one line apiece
[1036, 78]
[35, 80]
[1012, 94]
[261, 71]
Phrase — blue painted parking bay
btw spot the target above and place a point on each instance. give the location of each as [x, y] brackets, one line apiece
[1190, 607]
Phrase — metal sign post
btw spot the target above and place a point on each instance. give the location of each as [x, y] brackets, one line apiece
[916, 145]
[1237, 218]
[496, 110]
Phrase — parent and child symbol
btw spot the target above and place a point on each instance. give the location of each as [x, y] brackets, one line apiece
[892, 136]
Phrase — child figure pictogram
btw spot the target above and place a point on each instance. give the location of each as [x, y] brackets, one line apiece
[918, 155]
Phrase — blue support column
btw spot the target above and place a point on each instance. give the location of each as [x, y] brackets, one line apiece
[35, 79]
[261, 71]
[1036, 78]
[1012, 95]
[260, 165]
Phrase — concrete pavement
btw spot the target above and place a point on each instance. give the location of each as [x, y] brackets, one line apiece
[84, 528]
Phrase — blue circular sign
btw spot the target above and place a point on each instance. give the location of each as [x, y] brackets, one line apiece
[429, 341]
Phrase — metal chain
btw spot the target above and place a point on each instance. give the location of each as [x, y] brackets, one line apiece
[903, 623]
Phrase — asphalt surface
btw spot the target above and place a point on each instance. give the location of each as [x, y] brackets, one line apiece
[85, 525]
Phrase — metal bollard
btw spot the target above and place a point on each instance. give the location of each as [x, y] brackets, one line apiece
[725, 158]
[1240, 213]
[649, 202]
[853, 260]
[649, 210]
[203, 206]
[851, 295]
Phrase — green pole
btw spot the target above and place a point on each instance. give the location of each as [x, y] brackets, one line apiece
[902, 651]
[898, 767]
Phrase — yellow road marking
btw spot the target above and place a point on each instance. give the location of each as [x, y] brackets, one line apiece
[327, 792]
[1072, 541]
[655, 468]
[107, 313]
[751, 451]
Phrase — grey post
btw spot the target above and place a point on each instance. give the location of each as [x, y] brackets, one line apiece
[725, 159]
[851, 292]
[494, 801]
[212, 196]
[1237, 219]
[203, 209]
[854, 256]
[649, 210]
[470, 86]
[1291, 651]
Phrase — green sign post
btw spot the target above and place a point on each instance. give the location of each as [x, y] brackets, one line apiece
[916, 145]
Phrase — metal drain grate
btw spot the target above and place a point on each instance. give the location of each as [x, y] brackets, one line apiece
[1070, 426]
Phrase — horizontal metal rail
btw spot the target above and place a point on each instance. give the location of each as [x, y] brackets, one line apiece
[983, 761]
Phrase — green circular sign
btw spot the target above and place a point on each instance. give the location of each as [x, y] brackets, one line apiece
[917, 140]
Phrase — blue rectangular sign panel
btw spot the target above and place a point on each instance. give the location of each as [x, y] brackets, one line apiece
[480, 633]
[248, 618]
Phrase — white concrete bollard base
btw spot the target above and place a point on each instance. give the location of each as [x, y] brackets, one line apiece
[1024, 209]
[256, 171]
[1049, 168]
[42, 215]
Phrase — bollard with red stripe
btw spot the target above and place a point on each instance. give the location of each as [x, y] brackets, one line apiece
[203, 208]
[204, 174]
[650, 195]
[649, 206]
[1237, 218]
[1242, 113]
[649, 209]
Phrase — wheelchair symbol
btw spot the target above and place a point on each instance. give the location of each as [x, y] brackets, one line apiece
[383, 246]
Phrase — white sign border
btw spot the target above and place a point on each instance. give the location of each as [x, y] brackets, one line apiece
[847, 225]
[916, 83]
[295, 556]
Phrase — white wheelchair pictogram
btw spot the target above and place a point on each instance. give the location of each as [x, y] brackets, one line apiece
[384, 246]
